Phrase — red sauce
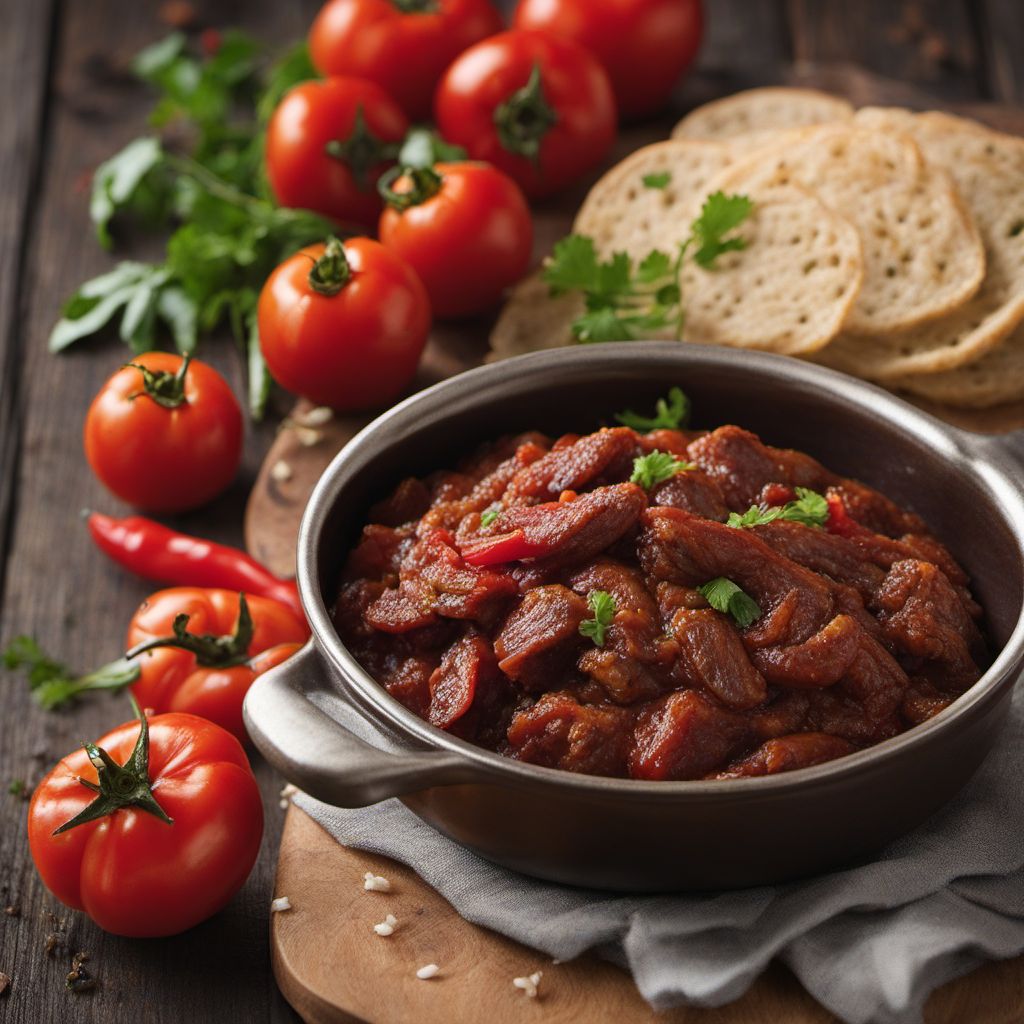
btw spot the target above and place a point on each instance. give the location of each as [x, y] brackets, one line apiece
[865, 626]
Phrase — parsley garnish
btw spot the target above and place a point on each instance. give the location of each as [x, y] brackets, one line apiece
[659, 179]
[724, 596]
[53, 684]
[488, 516]
[602, 604]
[627, 300]
[809, 508]
[656, 467]
[670, 414]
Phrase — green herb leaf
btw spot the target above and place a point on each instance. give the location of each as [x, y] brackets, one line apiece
[424, 148]
[719, 215]
[809, 508]
[602, 604]
[259, 374]
[116, 179]
[725, 596]
[17, 787]
[655, 467]
[654, 268]
[602, 325]
[669, 414]
[488, 516]
[658, 180]
[572, 266]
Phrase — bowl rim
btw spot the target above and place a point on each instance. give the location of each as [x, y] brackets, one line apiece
[374, 702]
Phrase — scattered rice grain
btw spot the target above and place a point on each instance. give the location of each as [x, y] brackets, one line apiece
[529, 984]
[428, 971]
[281, 903]
[375, 883]
[281, 471]
[387, 926]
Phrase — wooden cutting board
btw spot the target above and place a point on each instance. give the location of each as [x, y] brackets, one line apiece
[329, 963]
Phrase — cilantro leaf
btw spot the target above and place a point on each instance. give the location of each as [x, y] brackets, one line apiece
[719, 215]
[602, 604]
[656, 467]
[488, 516]
[602, 325]
[654, 268]
[116, 180]
[657, 180]
[669, 414]
[572, 266]
[725, 596]
[809, 508]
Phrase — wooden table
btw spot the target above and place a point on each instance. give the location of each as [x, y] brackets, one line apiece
[68, 103]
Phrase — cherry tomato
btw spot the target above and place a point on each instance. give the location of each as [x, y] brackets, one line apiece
[207, 667]
[464, 228]
[164, 433]
[167, 839]
[644, 45]
[539, 108]
[402, 45]
[327, 144]
[344, 325]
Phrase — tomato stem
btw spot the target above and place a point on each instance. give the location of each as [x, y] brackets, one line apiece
[424, 183]
[331, 272]
[120, 785]
[525, 118]
[164, 388]
[210, 651]
[415, 6]
[362, 150]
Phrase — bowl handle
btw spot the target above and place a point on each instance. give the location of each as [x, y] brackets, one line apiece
[321, 756]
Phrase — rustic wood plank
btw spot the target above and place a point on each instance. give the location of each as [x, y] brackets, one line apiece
[1001, 28]
[932, 43]
[61, 590]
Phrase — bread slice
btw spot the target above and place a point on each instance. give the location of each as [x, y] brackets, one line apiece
[988, 170]
[922, 254]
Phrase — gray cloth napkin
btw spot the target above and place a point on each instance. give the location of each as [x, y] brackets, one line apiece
[870, 942]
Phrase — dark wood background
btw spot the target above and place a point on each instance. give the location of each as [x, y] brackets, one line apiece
[68, 102]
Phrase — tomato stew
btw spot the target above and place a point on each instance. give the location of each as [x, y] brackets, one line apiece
[662, 605]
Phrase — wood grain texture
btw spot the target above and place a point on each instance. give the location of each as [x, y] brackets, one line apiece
[1001, 34]
[334, 969]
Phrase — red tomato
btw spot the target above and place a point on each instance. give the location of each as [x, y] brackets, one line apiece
[167, 437]
[539, 108]
[644, 45]
[129, 868]
[344, 325]
[464, 228]
[209, 671]
[327, 144]
[402, 45]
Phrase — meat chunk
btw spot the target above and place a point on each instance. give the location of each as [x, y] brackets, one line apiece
[467, 690]
[786, 754]
[684, 736]
[712, 657]
[409, 500]
[693, 491]
[607, 453]
[559, 732]
[540, 640]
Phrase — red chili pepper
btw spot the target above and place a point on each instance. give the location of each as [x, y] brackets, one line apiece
[839, 521]
[503, 547]
[157, 553]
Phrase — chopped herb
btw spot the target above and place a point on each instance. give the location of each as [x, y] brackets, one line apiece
[17, 787]
[724, 596]
[657, 180]
[602, 604]
[53, 684]
[656, 467]
[488, 516]
[626, 300]
[669, 414]
[809, 508]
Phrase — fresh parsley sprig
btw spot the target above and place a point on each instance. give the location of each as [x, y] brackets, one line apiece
[725, 596]
[669, 414]
[626, 300]
[656, 467]
[809, 508]
[603, 606]
[488, 516]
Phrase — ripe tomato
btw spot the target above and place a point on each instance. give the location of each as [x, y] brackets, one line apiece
[164, 433]
[167, 839]
[464, 228]
[644, 45]
[344, 325]
[206, 666]
[539, 108]
[402, 45]
[327, 144]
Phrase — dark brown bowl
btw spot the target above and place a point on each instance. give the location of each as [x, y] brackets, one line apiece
[618, 833]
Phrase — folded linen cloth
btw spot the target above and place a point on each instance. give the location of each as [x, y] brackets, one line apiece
[870, 942]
